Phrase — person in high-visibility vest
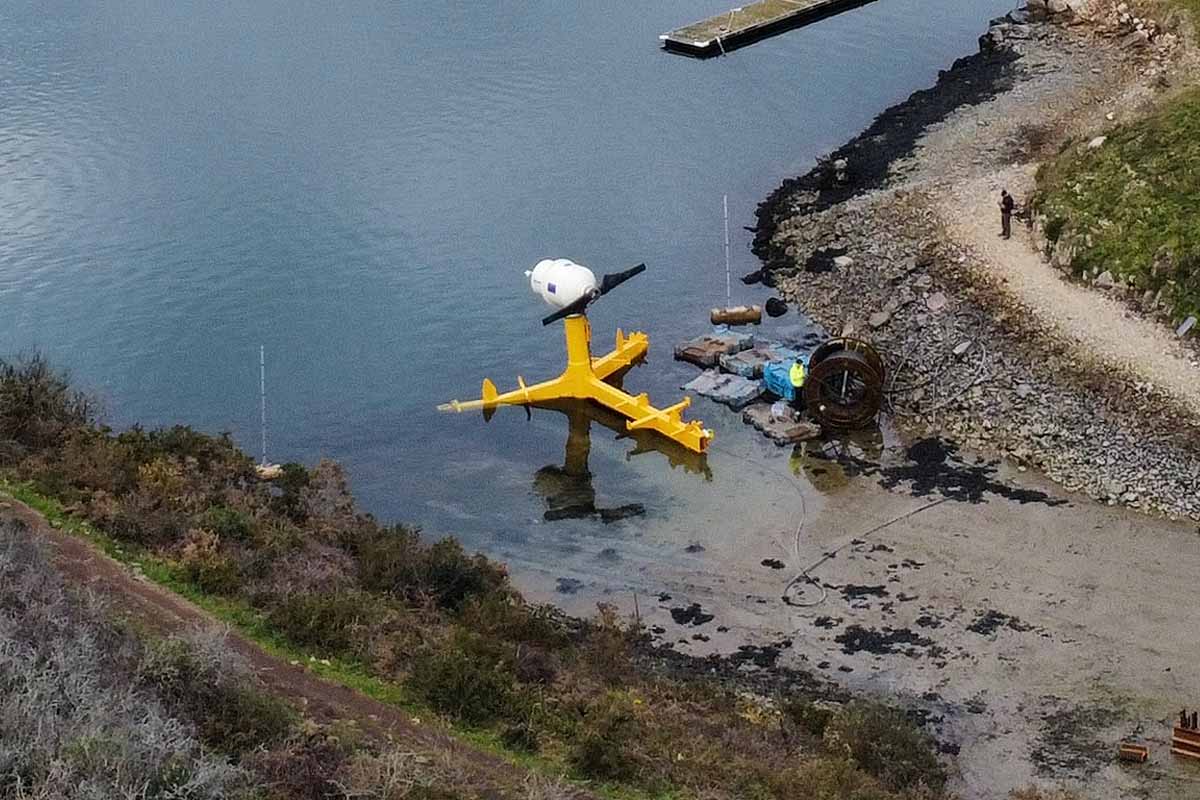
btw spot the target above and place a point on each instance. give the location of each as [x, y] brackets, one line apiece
[797, 375]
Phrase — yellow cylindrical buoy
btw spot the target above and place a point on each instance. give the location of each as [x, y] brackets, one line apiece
[737, 315]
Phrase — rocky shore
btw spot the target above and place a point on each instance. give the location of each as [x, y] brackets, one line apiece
[861, 243]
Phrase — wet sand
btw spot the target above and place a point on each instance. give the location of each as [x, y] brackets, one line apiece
[1031, 631]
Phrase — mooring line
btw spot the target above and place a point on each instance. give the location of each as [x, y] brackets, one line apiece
[803, 575]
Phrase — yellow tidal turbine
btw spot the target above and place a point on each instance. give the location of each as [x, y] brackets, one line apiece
[571, 288]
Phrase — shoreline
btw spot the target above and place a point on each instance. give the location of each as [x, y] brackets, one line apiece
[970, 361]
[870, 155]
[1031, 704]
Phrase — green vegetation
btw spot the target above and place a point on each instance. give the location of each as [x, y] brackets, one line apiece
[1191, 8]
[885, 744]
[1132, 205]
[806, 717]
[418, 624]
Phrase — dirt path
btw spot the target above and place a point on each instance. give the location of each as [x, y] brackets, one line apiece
[1100, 327]
[164, 612]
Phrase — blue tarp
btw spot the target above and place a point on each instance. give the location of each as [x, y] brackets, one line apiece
[777, 378]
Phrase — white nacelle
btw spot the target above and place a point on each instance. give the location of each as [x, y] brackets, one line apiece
[560, 281]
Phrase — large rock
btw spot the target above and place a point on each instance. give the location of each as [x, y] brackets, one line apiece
[802, 338]
[1136, 40]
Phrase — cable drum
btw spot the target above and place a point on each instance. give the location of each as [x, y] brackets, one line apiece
[844, 387]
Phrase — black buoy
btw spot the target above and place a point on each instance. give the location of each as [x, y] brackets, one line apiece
[775, 307]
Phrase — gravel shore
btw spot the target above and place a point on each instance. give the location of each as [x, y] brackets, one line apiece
[861, 244]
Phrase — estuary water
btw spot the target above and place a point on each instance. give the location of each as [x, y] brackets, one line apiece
[359, 186]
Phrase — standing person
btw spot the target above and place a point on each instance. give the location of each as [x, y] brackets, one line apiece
[1006, 211]
[797, 375]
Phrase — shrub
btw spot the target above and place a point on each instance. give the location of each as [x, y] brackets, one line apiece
[607, 645]
[453, 577]
[206, 566]
[288, 499]
[887, 745]
[163, 480]
[833, 779]
[139, 519]
[1054, 228]
[505, 615]
[471, 679]
[210, 454]
[392, 775]
[92, 460]
[805, 716]
[396, 561]
[38, 407]
[326, 497]
[536, 665]
[309, 766]
[335, 624]
[228, 523]
[603, 748]
[199, 678]
[538, 787]
[521, 737]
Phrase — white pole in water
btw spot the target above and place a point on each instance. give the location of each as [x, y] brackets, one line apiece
[262, 397]
[728, 290]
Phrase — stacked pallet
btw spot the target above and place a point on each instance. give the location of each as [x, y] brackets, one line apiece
[1185, 737]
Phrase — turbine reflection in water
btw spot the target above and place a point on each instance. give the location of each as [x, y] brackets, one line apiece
[567, 490]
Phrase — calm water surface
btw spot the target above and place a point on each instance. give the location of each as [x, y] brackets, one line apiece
[359, 187]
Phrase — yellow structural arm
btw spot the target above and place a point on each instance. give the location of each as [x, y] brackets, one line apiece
[629, 350]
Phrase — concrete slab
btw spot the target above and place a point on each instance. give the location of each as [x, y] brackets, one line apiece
[750, 363]
[731, 390]
[706, 350]
[781, 431]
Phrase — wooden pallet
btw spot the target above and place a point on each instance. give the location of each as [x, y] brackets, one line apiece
[1133, 752]
[1185, 742]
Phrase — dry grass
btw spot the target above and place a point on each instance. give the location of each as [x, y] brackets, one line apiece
[72, 722]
